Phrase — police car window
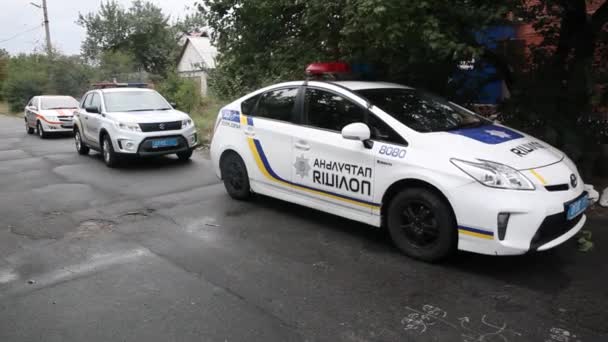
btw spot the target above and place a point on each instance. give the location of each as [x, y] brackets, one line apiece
[421, 111]
[330, 111]
[248, 105]
[95, 101]
[383, 132]
[277, 104]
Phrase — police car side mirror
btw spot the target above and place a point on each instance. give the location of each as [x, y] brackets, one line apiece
[92, 109]
[357, 131]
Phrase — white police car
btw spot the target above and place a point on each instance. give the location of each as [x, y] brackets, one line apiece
[49, 114]
[130, 120]
[437, 175]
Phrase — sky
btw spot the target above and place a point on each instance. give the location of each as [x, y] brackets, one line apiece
[21, 29]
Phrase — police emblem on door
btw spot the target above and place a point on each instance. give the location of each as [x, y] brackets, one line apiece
[302, 167]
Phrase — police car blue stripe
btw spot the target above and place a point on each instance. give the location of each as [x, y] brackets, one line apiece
[475, 230]
[489, 134]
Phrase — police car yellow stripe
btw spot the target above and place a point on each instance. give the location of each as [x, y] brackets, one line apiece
[264, 167]
[539, 177]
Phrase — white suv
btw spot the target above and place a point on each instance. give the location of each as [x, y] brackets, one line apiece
[121, 122]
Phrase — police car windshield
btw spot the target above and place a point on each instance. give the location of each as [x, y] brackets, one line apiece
[134, 101]
[62, 102]
[421, 111]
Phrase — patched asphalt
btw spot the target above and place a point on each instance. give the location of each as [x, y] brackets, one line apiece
[157, 251]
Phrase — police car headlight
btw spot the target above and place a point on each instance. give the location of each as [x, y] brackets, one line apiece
[128, 126]
[186, 123]
[494, 175]
[51, 118]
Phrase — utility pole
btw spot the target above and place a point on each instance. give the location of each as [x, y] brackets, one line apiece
[49, 47]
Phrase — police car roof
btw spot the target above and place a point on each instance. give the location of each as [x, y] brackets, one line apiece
[54, 96]
[361, 85]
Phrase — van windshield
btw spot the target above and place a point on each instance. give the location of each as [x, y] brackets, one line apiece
[422, 111]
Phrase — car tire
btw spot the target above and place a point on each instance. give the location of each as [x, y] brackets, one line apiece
[40, 131]
[28, 128]
[184, 155]
[235, 176]
[422, 225]
[110, 158]
[81, 146]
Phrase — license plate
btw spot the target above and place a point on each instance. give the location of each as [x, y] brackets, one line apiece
[169, 142]
[577, 207]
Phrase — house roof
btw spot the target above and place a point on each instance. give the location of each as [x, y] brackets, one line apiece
[202, 45]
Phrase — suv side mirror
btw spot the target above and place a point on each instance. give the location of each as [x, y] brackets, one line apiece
[92, 109]
[358, 131]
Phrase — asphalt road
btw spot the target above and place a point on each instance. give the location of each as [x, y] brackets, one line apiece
[157, 251]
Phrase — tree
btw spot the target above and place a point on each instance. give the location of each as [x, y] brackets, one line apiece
[141, 31]
[414, 42]
[4, 58]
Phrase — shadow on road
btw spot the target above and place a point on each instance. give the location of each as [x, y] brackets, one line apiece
[541, 271]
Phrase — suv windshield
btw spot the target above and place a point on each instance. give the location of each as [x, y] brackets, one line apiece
[134, 101]
[421, 111]
[63, 102]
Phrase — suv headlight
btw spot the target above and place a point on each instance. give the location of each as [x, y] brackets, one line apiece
[494, 175]
[128, 126]
[186, 123]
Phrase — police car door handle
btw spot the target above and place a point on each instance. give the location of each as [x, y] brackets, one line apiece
[250, 133]
[302, 146]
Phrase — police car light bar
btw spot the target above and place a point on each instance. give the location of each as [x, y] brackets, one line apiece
[318, 69]
[105, 85]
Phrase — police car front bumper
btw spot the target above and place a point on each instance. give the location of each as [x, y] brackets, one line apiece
[141, 144]
[537, 220]
[59, 127]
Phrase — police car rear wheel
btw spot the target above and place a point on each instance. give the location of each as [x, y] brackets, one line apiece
[80, 145]
[421, 224]
[28, 129]
[234, 174]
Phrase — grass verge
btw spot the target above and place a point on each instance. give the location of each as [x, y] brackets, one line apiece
[204, 117]
[5, 109]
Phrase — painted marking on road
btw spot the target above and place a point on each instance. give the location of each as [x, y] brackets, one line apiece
[421, 320]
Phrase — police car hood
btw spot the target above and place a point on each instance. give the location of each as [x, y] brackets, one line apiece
[152, 116]
[499, 144]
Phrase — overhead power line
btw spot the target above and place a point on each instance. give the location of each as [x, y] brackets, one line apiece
[16, 35]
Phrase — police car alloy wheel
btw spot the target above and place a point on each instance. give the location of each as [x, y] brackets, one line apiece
[421, 224]
[235, 177]
[109, 156]
[80, 146]
[40, 130]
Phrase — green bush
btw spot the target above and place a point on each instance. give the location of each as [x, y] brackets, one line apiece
[181, 91]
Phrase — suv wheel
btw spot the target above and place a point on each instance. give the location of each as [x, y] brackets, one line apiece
[107, 150]
[28, 128]
[235, 177]
[422, 224]
[81, 147]
[40, 131]
[185, 155]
